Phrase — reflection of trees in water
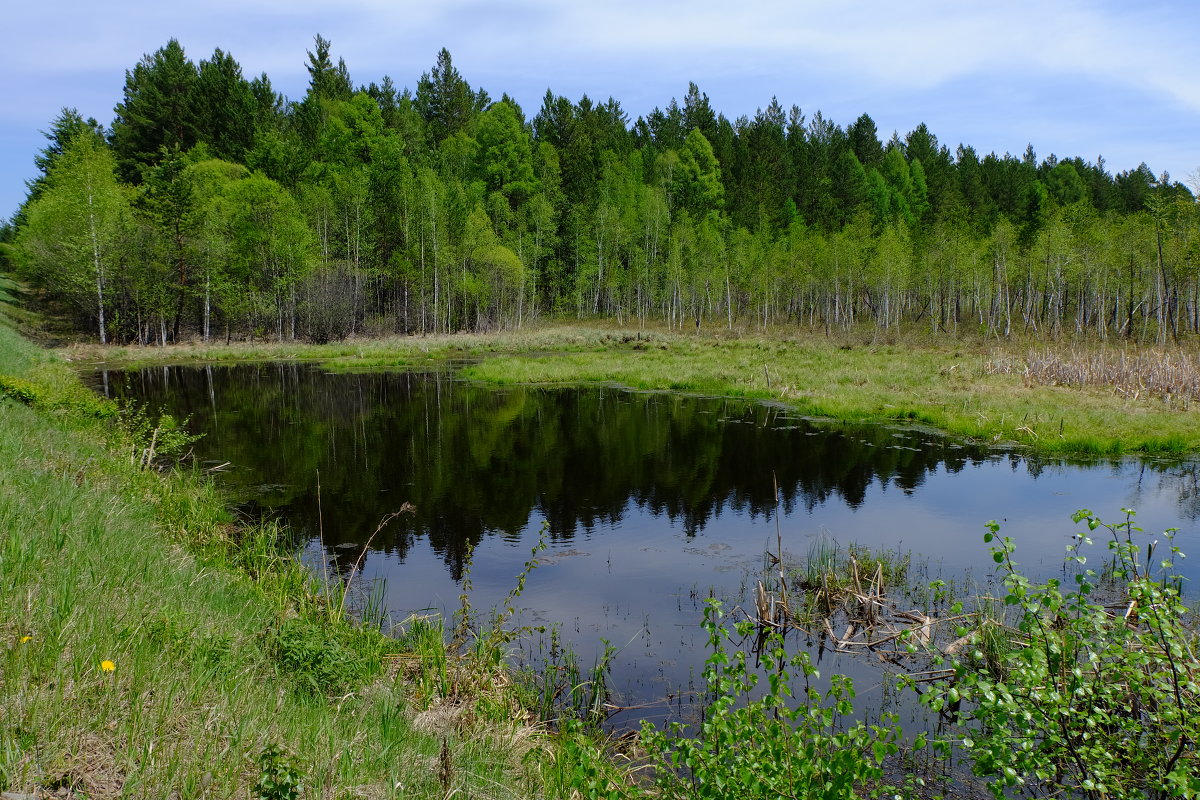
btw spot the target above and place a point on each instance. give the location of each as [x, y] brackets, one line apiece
[476, 460]
[1181, 481]
[1185, 482]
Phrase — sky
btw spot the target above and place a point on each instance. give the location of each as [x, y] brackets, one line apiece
[1112, 79]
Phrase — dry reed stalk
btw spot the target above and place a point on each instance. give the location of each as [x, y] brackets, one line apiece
[406, 508]
[1172, 376]
[760, 601]
[445, 768]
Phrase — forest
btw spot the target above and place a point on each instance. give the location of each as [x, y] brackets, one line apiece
[212, 207]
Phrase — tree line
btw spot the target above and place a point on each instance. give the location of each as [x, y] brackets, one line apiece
[213, 206]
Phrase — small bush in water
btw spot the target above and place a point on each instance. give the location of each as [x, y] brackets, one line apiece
[755, 744]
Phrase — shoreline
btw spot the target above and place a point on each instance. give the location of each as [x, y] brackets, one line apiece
[971, 390]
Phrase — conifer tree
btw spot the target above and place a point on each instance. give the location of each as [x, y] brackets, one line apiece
[157, 111]
[446, 101]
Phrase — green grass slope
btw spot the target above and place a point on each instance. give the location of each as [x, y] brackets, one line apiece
[150, 648]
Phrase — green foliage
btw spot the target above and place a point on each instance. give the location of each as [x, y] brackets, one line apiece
[506, 153]
[164, 440]
[698, 177]
[324, 662]
[229, 107]
[158, 112]
[1065, 185]
[357, 215]
[326, 81]
[71, 238]
[278, 776]
[63, 129]
[446, 101]
[764, 742]
[1097, 697]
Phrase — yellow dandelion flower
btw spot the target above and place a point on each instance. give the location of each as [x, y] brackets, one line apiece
[25, 639]
[107, 666]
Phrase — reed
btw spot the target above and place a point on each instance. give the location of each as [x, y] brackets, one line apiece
[1131, 374]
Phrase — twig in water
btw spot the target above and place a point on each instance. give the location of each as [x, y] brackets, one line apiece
[321, 536]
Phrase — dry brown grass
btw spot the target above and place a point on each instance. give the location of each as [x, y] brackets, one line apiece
[1170, 375]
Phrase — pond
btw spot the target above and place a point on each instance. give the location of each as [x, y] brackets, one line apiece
[648, 502]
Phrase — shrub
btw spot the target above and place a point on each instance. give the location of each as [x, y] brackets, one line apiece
[1095, 699]
[768, 744]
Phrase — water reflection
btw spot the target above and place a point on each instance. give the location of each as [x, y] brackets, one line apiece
[476, 460]
[651, 501]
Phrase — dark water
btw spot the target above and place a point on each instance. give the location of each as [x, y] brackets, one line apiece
[649, 502]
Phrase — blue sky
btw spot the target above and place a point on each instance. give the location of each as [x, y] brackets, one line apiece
[1114, 79]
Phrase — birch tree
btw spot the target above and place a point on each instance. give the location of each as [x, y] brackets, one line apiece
[69, 242]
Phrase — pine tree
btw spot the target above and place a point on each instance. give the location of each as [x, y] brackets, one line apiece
[445, 101]
[158, 111]
[864, 141]
[226, 108]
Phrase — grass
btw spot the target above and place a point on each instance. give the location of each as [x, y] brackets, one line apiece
[966, 387]
[150, 647]
[940, 385]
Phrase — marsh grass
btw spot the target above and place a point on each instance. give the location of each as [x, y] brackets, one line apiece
[153, 646]
[559, 687]
[945, 386]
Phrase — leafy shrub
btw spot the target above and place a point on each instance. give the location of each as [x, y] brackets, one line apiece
[154, 441]
[278, 777]
[770, 744]
[1093, 698]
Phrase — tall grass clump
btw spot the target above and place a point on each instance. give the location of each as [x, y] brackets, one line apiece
[830, 579]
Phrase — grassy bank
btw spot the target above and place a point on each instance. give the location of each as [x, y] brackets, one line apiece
[972, 388]
[150, 648]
